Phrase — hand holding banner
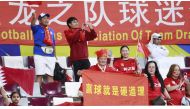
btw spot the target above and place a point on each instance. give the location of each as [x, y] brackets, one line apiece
[114, 89]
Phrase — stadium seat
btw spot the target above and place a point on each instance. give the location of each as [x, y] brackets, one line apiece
[52, 89]
[13, 61]
[93, 61]
[64, 64]
[72, 89]
[39, 101]
[187, 61]
[61, 100]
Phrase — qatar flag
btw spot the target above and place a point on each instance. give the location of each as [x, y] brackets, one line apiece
[23, 77]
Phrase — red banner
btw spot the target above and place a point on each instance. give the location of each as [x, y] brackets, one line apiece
[104, 88]
[116, 23]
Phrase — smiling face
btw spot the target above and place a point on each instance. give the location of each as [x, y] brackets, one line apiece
[124, 52]
[102, 61]
[44, 21]
[176, 72]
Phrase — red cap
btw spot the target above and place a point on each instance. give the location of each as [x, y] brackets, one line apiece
[102, 53]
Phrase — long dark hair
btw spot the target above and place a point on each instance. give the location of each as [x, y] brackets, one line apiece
[157, 74]
[122, 48]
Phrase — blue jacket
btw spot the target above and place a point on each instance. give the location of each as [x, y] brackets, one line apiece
[39, 35]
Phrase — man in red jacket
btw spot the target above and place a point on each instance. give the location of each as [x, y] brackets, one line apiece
[102, 56]
[77, 38]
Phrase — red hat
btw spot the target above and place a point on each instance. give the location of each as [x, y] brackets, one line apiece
[102, 53]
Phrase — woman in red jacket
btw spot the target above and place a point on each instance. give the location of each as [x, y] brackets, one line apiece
[175, 84]
[126, 64]
[156, 86]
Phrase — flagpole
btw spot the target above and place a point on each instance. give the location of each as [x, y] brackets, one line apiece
[136, 55]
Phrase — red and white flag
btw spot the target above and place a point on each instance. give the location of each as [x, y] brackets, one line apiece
[23, 77]
[2, 78]
[143, 49]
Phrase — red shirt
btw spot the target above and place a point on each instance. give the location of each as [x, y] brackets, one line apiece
[153, 93]
[12, 104]
[126, 66]
[97, 68]
[78, 46]
[177, 94]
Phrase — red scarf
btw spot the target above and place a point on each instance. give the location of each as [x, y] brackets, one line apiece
[47, 38]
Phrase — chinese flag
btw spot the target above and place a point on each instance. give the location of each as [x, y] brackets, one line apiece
[34, 2]
[116, 89]
[23, 77]
[143, 49]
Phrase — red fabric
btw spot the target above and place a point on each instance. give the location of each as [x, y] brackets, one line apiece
[23, 77]
[79, 49]
[82, 36]
[12, 104]
[102, 53]
[126, 66]
[70, 104]
[177, 94]
[152, 94]
[143, 49]
[47, 38]
[34, 2]
[68, 77]
[105, 89]
[96, 68]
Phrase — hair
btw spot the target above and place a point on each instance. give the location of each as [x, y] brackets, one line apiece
[171, 70]
[122, 48]
[157, 74]
[15, 93]
[69, 20]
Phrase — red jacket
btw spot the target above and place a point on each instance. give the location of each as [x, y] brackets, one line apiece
[176, 94]
[97, 68]
[78, 43]
[126, 66]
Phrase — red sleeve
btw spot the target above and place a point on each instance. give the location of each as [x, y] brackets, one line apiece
[72, 36]
[167, 81]
[90, 35]
[116, 64]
